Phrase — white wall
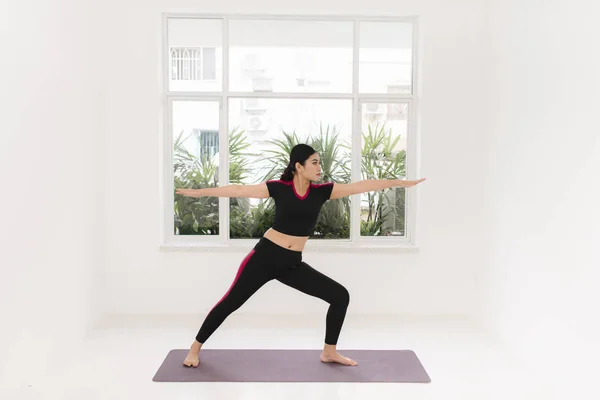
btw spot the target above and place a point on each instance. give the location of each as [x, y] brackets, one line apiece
[438, 280]
[539, 287]
[51, 231]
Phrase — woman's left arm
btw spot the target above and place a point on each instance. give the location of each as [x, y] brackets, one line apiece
[369, 185]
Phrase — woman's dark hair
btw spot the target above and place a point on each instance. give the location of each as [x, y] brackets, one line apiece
[300, 154]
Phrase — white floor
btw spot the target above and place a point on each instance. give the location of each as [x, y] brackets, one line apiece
[120, 358]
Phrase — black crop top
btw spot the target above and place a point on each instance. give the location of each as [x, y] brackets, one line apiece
[294, 214]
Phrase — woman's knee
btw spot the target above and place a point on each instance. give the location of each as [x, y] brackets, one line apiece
[342, 296]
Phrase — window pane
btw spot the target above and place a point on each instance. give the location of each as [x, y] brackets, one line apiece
[290, 56]
[209, 63]
[384, 138]
[195, 54]
[195, 162]
[262, 133]
[385, 57]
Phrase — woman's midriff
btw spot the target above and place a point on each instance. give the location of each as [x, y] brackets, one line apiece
[295, 243]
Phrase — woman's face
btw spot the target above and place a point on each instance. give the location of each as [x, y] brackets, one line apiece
[311, 169]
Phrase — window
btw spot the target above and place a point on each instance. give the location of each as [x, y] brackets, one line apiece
[240, 91]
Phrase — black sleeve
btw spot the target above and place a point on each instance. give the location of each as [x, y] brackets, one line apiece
[326, 190]
[273, 187]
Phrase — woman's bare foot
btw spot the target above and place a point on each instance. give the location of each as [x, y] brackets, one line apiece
[192, 359]
[330, 354]
[337, 358]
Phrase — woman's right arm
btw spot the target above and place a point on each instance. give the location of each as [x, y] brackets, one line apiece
[259, 191]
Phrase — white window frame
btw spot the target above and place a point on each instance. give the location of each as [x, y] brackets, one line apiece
[170, 241]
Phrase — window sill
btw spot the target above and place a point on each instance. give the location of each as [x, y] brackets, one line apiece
[340, 247]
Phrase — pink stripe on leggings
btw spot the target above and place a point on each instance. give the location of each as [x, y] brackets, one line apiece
[237, 276]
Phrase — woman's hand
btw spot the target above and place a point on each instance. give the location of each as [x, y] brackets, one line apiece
[188, 192]
[412, 183]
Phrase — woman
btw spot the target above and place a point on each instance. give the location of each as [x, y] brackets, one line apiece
[278, 254]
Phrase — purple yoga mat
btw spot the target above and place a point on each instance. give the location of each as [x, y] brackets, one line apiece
[221, 365]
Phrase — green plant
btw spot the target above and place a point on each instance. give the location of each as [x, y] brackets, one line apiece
[239, 166]
[194, 215]
[334, 219]
[200, 216]
[380, 161]
[251, 223]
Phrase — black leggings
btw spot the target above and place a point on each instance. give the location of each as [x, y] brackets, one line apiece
[269, 261]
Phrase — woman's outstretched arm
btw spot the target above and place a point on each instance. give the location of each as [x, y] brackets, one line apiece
[259, 191]
[369, 185]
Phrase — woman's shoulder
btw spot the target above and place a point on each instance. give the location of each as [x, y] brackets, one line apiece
[320, 185]
[324, 189]
[279, 181]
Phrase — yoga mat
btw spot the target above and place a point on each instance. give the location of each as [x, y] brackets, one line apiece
[258, 365]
